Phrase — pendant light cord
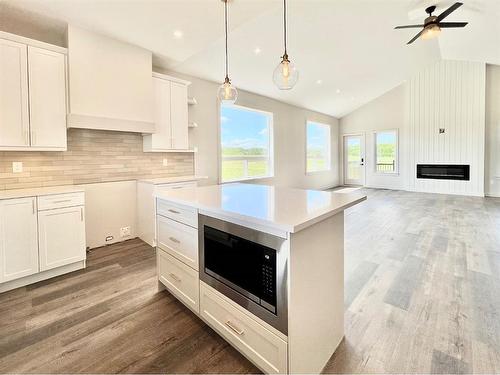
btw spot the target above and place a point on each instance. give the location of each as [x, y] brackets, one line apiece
[284, 25]
[225, 22]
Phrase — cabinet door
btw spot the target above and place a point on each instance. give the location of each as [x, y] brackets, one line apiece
[179, 116]
[18, 239]
[162, 138]
[47, 93]
[61, 237]
[14, 116]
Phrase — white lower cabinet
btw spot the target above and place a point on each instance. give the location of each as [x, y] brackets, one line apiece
[179, 240]
[256, 342]
[61, 236]
[181, 280]
[18, 238]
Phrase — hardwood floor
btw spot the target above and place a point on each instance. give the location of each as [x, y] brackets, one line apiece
[422, 296]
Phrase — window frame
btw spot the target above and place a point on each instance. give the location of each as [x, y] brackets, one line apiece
[329, 168]
[396, 161]
[271, 156]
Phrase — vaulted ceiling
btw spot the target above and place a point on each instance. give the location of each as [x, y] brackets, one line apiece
[346, 50]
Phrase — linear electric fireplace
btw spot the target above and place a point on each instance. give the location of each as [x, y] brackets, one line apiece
[443, 171]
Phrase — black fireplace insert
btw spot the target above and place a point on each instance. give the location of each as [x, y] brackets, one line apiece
[443, 171]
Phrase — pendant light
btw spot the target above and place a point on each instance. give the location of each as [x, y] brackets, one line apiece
[285, 75]
[227, 93]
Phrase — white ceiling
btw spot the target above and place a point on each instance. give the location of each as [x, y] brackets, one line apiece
[349, 45]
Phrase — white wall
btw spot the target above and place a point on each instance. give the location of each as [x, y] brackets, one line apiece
[289, 136]
[448, 95]
[384, 113]
[492, 161]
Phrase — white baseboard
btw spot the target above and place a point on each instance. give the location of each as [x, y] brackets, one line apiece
[9, 285]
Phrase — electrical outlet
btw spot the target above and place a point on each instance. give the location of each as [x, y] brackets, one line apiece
[17, 167]
[165, 162]
[125, 231]
[109, 238]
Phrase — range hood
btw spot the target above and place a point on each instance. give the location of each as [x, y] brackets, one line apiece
[110, 84]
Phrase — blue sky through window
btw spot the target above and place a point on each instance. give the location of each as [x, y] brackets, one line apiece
[317, 136]
[242, 128]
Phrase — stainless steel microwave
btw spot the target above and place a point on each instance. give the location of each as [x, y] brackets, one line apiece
[247, 266]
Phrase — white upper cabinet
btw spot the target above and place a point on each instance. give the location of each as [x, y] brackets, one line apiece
[47, 94]
[110, 85]
[171, 115]
[14, 114]
[32, 95]
[18, 238]
[179, 116]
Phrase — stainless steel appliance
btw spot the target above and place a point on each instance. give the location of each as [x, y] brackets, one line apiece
[246, 265]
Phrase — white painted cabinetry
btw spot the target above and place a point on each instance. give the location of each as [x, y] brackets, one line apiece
[47, 97]
[18, 238]
[171, 115]
[32, 95]
[41, 237]
[62, 236]
[14, 113]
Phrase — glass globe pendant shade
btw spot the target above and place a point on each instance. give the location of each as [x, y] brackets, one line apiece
[431, 32]
[285, 75]
[227, 93]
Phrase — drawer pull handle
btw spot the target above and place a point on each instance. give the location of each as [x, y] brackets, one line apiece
[177, 187]
[173, 211]
[239, 331]
[62, 201]
[173, 239]
[175, 277]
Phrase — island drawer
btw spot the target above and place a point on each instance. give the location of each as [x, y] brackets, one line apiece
[50, 202]
[181, 280]
[179, 240]
[257, 343]
[182, 214]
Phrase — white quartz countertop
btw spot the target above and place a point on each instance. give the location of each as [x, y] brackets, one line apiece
[280, 208]
[171, 180]
[37, 192]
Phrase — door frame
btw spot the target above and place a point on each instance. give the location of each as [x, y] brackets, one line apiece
[362, 136]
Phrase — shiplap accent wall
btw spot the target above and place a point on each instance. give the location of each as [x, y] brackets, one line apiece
[449, 95]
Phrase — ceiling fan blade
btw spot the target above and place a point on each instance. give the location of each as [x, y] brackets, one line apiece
[448, 11]
[415, 37]
[452, 24]
[408, 26]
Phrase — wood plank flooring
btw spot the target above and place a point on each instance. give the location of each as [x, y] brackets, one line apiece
[422, 295]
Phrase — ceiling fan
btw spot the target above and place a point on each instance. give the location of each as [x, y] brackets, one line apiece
[432, 25]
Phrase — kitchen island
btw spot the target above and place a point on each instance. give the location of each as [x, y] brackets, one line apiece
[262, 265]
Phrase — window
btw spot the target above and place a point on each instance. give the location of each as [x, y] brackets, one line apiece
[386, 151]
[246, 143]
[318, 147]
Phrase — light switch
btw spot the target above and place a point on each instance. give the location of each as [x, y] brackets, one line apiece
[17, 167]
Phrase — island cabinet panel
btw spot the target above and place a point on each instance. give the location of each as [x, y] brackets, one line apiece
[18, 239]
[316, 295]
[182, 214]
[179, 240]
[265, 349]
[182, 281]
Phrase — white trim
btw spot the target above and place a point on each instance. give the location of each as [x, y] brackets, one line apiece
[396, 166]
[104, 123]
[33, 42]
[329, 146]
[271, 155]
[170, 78]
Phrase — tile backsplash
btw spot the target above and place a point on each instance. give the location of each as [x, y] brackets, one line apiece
[93, 156]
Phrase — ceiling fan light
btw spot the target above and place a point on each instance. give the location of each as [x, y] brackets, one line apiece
[431, 32]
[227, 93]
[285, 75]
